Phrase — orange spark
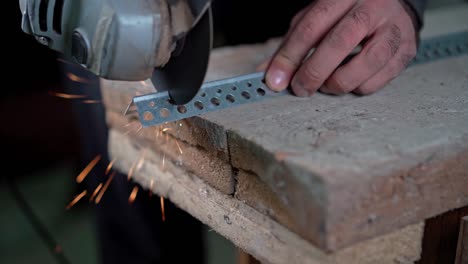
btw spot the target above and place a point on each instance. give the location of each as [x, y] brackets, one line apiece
[87, 169]
[76, 199]
[133, 195]
[141, 160]
[139, 128]
[98, 188]
[76, 78]
[67, 96]
[151, 188]
[104, 189]
[109, 167]
[131, 170]
[128, 107]
[91, 101]
[178, 146]
[162, 209]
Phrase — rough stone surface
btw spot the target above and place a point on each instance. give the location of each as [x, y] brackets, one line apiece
[249, 229]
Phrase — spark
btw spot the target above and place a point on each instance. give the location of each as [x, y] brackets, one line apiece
[131, 170]
[162, 209]
[133, 195]
[75, 78]
[130, 123]
[178, 146]
[166, 129]
[91, 101]
[67, 96]
[151, 188]
[98, 188]
[87, 169]
[164, 161]
[144, 83]
[109, 167]
[76, 199]
[104, 189]
[139, 129]
[141, 160]
[128, 107]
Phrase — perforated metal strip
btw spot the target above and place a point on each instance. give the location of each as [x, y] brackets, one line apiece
[157, 108]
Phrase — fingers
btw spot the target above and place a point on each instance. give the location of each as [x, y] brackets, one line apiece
[376, 53]
[315, 23]
[332, 51]
[394, 67]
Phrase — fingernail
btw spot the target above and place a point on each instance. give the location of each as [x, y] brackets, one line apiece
[276, 79]
[299, 88]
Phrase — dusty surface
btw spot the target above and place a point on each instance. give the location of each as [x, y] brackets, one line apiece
[246, 227]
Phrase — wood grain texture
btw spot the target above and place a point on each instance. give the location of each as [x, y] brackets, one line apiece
[247, 228]
[441, 234]
[462, 250]
[346, 168]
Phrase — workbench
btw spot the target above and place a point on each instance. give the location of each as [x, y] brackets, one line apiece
[326, 179]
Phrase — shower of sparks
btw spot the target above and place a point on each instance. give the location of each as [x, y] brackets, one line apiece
[104, 189]
[87, 169]
[76, 199]
[98, 188]
[163, 214]
[133, 195]
[67, 96]
[91, 101]
[76, 78]
[109, 167]
[178, 146]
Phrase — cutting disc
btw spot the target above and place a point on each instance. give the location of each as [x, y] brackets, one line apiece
[183, 76]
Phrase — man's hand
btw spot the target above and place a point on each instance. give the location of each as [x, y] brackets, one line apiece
[385, 28]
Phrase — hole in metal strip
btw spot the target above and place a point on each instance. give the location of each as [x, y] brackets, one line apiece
[215, 101]
[246, 95]
[164, 113]
[198, 105]
[234, 88]
[249, 84]
[219, 91]
[230, 98]
[203, 94]
[261, 92]
[148, 116]
[182, 109]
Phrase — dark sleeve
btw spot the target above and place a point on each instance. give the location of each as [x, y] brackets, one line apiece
[418, 7]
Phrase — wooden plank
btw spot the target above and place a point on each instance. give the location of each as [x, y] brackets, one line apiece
[248, 229]
[462, 251]
[347, 168]
[441, 234]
